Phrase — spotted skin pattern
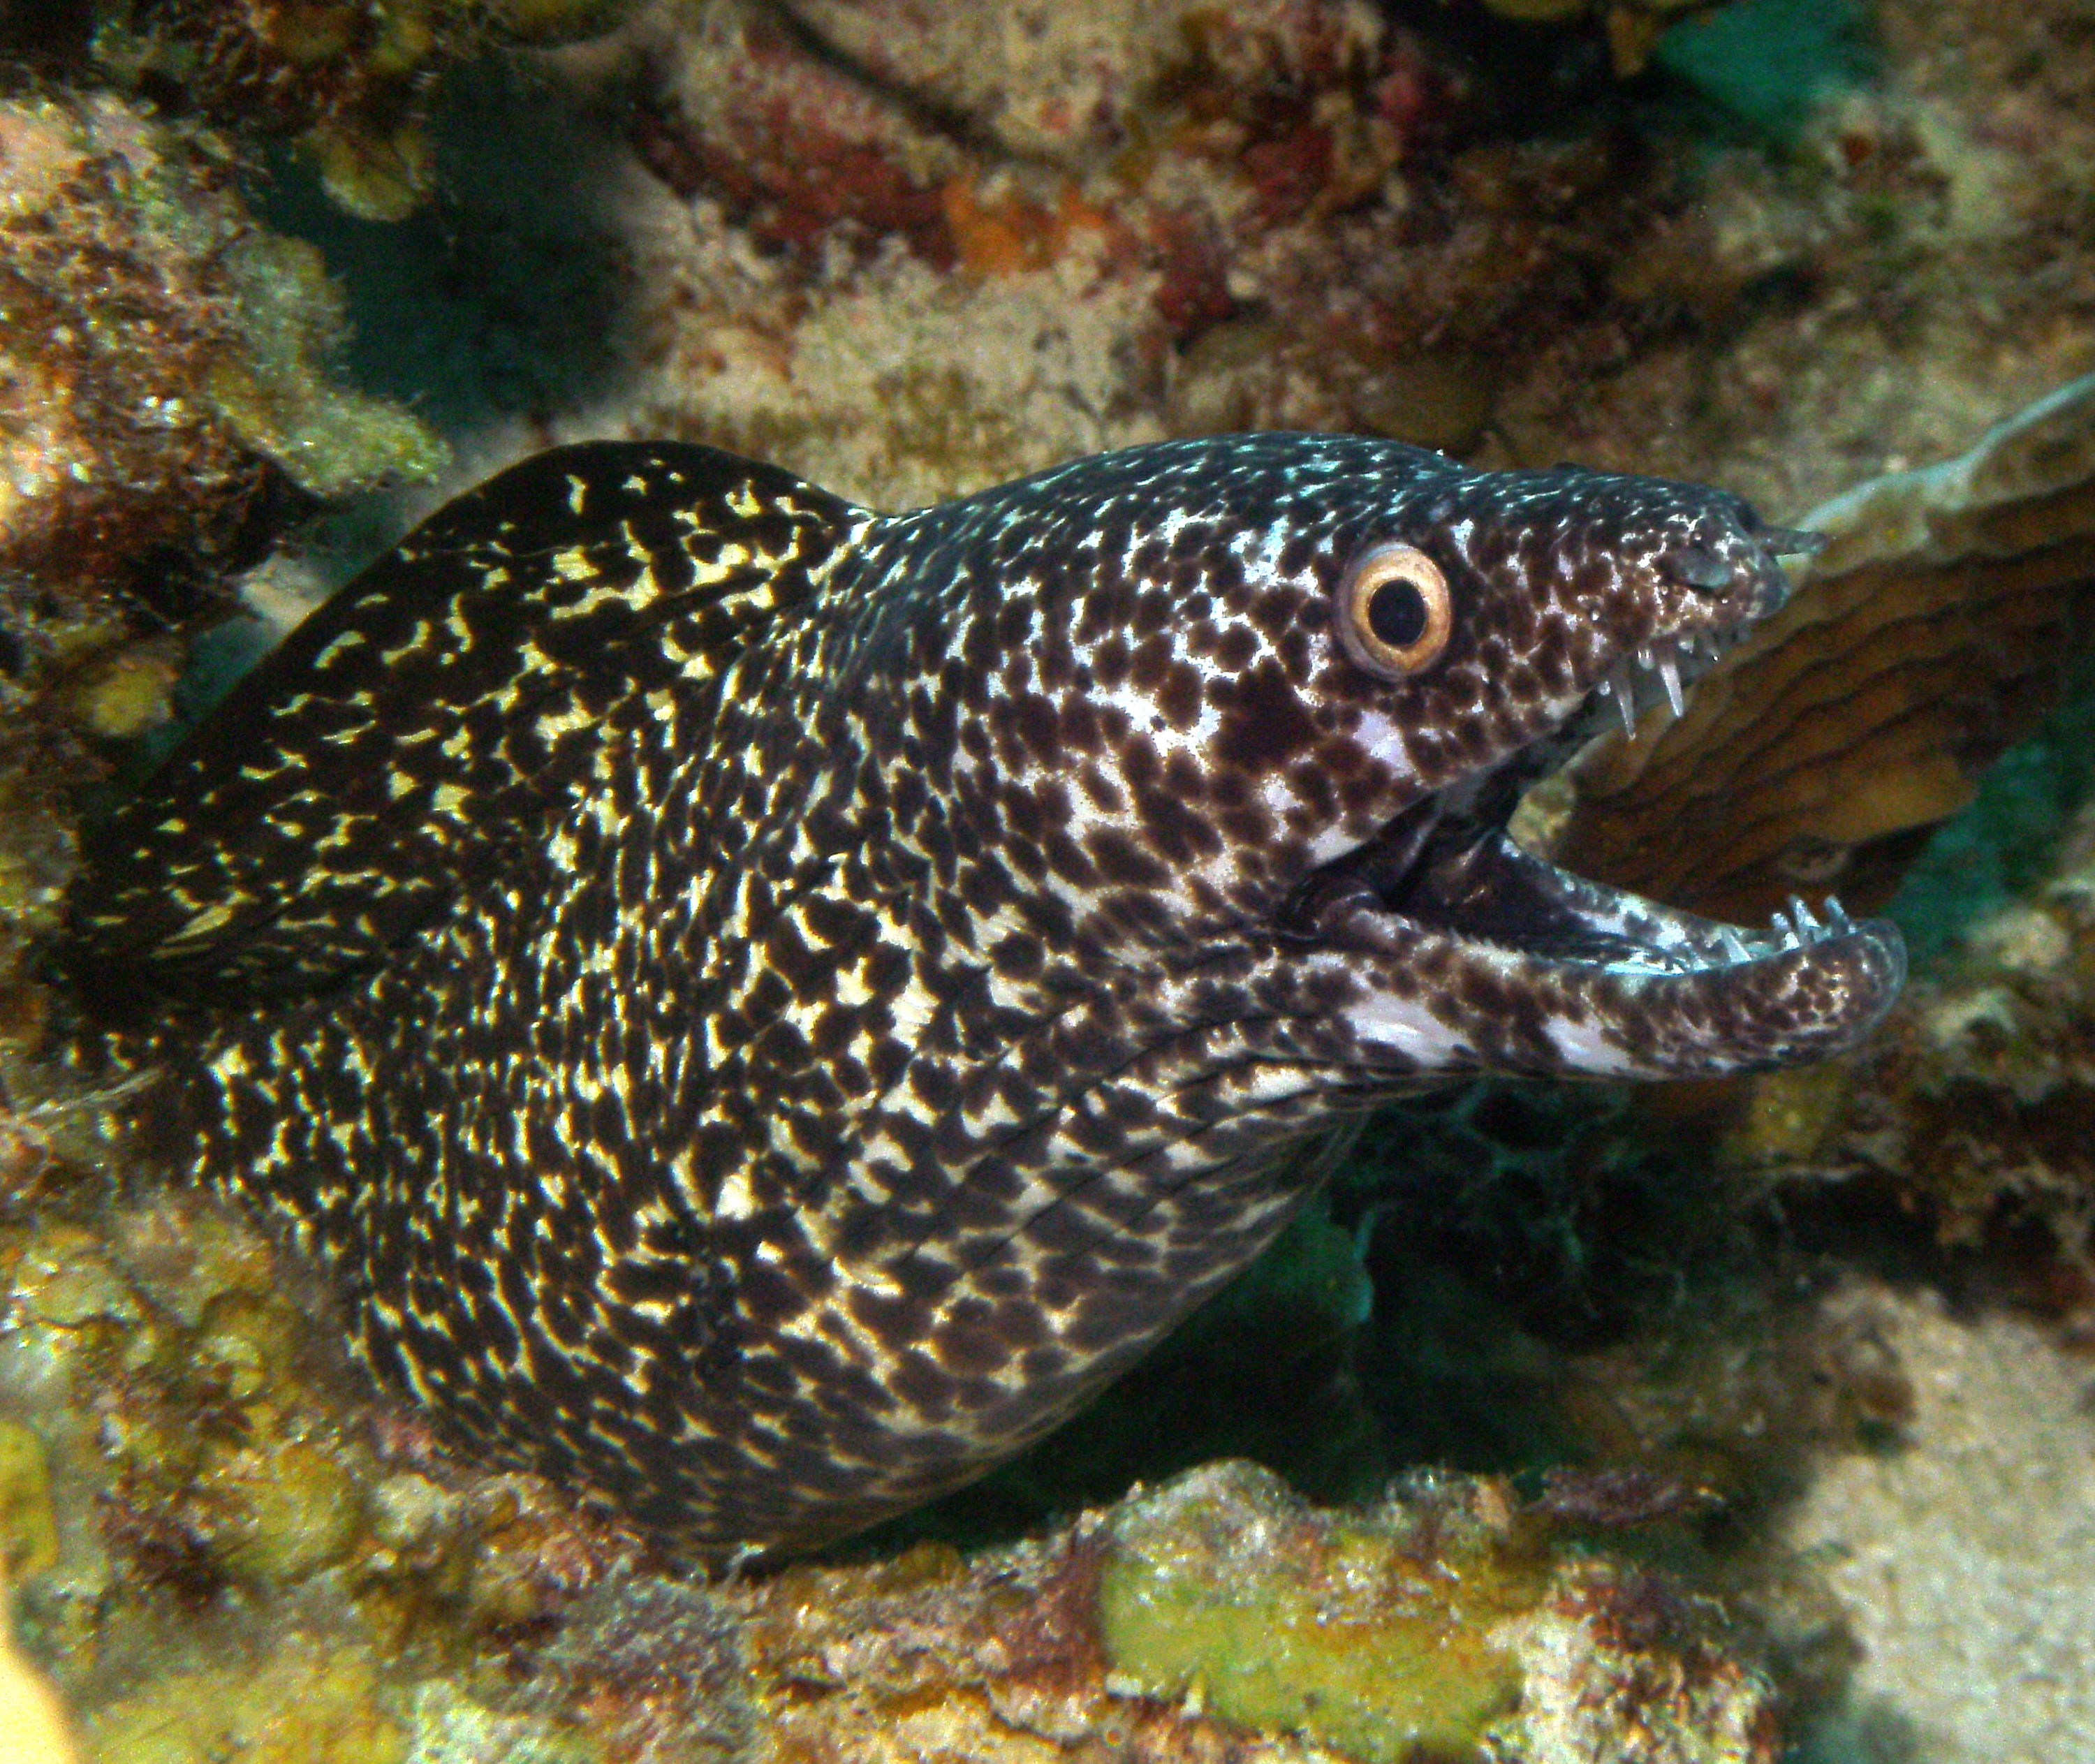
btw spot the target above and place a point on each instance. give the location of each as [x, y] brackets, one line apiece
[763, 1007]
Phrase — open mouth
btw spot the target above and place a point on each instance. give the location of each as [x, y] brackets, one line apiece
[1446, 873]
[1463, 875]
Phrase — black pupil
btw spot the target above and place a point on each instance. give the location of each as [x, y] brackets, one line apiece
[1396, 613]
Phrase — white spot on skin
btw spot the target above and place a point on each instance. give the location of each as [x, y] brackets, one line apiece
[1585, 1047]
[1405, 1026]
[1332, 842]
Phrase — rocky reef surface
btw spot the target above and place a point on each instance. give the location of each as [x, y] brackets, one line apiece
[1764, 1406]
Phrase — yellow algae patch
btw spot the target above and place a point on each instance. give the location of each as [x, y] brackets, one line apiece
[29, 1528]
[1371, 1631]
[309, 1702]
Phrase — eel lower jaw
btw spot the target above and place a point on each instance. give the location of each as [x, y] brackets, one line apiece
[1537, 970]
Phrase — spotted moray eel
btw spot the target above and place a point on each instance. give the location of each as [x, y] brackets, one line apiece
[763, 1006]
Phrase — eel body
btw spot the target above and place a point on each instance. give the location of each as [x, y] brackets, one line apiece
[762, 1006]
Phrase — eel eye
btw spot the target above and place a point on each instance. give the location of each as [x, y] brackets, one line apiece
[1394, 614]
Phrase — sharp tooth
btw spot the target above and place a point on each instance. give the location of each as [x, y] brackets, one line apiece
[1837, 914]
[1669, 671]
[1622, 689]
[1806, 925]
[1785, 933]
[1735, 946]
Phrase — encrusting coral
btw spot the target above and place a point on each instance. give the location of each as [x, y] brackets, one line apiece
[1442, 1623]
[161, 350]
[987, 246]
[350, 79]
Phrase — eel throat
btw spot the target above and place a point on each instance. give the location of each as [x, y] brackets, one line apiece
[762, 1007]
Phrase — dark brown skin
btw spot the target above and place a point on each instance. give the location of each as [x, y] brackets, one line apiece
[764, 1007]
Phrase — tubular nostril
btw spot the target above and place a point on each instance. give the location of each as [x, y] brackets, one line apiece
[1793, 541]
[1701, 570]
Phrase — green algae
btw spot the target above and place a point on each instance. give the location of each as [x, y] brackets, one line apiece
[1450, 1622]
[276, 397]
[1769, 62]
[1374, 1632]
[28, 1527]
[277, 1512]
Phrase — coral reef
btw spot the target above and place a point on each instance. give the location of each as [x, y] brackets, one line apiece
[1910, 267]
[1976, 1108]
[350, 79]
[222, 1559]
[907, 250]
[1290, 214]
[1441, 1623]
[1964, 1559]
[1316, 216]
[163, 354]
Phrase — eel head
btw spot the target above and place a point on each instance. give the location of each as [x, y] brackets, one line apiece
[1281, 694]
